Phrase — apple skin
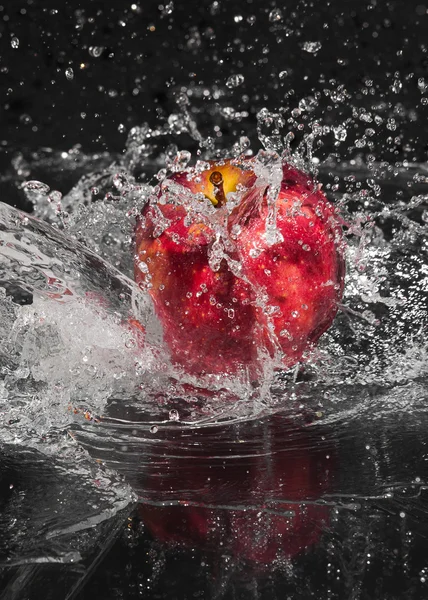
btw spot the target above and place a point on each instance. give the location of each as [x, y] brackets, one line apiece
[295, 474]
[264, 298]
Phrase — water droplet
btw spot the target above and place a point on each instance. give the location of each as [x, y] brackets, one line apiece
[14, 42]
[181, 160]
[120, 181]
[26, 119]
[244, 143]
[154, 429]
[340, 133]
[235, 80]
[283, 74]
[396, 86]
[238, 18]
[121, 128]
[312, 47]
[168, 8]
[182, 100]
[422, 84]
[55, 196]
[173, 415]
[36, 186]
[215, 7]
[95, 51]
[391, 124]
[308, 104]
[69, 73]
[275, 15]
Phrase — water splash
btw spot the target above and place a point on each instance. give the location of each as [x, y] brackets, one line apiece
[74, 374]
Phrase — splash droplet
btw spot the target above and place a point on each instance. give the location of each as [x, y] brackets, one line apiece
[312, 47]
[340, 133]
[95, 51]
[173, 415]
[36, 186]
[275, 15]
[235, 80]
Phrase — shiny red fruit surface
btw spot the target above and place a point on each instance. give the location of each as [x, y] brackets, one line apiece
[237, 272]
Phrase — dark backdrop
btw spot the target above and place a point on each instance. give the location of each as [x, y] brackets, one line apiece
[129, 59]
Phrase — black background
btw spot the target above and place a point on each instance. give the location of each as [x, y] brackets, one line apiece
[147, 55]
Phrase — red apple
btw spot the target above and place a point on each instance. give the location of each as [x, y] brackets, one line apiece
[236, 271]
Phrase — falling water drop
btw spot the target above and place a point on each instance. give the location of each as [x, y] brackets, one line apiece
[340, 133]
[275, 15]
[312, 47]
[235, 80]
[173, 415]
[95, 51]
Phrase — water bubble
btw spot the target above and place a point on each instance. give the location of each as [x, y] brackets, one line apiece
[69, 73]
[173, 415]
[275, 15]
[14, 42]
[235, 80]
[312, 47]
[154, 429]
[95, 51]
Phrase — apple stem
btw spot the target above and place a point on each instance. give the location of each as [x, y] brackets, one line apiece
[216, 178]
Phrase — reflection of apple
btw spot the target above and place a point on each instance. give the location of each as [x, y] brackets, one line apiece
[225, 289]
[258, 508]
